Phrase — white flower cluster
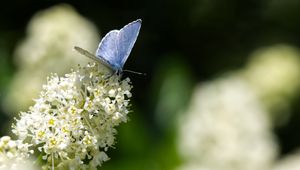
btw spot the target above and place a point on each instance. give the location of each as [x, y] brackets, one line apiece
[228, 124]
[13, 153]
[288, 162]
[73, 122]
[50, 35]
[225, 127]
[273, 73]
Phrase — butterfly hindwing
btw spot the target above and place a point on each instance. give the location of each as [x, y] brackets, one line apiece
[92, 56]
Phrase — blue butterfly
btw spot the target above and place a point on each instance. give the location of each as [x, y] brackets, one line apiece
[115, 47]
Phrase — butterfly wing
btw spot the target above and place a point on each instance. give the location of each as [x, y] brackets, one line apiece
[116, 46]
[92, 56]
[108, 51]
[127, 37]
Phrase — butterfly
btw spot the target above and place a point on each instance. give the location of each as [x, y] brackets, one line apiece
[115, 47]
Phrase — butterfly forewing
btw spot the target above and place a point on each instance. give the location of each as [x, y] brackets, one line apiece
[116, 46]
[107, 49]
[127, 38]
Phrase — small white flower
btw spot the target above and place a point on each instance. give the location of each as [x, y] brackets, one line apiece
[112, 93]
[13, 153]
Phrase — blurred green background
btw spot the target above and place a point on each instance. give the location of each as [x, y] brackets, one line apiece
[198, 56]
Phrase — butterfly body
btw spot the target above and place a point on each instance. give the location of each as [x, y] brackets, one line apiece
[115, 47]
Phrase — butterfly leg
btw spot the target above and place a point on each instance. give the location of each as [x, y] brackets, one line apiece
[111, 74]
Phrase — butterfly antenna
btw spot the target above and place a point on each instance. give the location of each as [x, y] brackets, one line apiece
[135, 72]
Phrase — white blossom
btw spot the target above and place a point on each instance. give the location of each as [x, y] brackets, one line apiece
[47, 47]
[289, 162]
[225, 127]
[75, 117]
[14, 154]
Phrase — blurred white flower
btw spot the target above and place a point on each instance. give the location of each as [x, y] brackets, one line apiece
[290, 162]
[274, 73]
[225, 128]
[14, 154]
[73, 122]
[228, 124]
[51, 36]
